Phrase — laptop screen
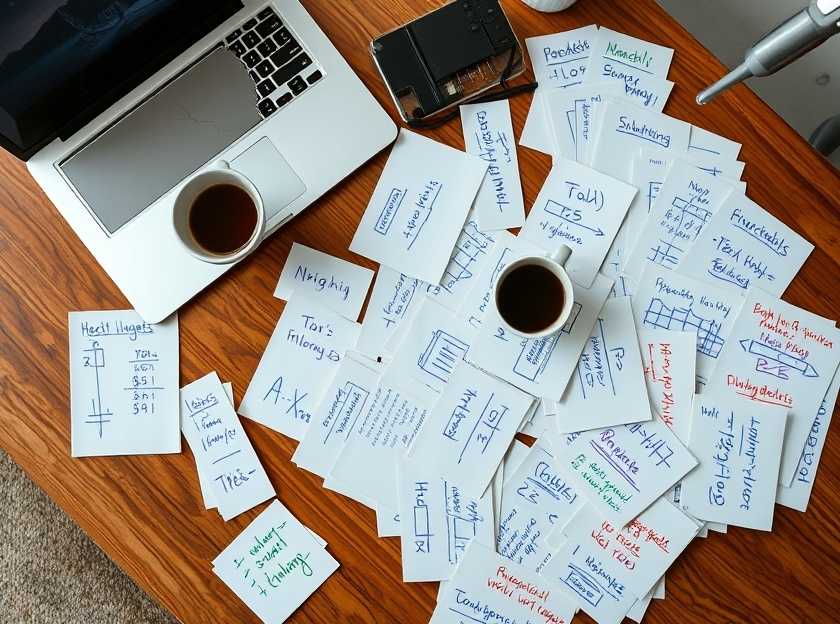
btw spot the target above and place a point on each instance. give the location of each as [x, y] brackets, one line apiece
[64, 61]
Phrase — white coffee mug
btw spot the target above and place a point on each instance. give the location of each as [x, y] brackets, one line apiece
[555, 263]
[220, 173]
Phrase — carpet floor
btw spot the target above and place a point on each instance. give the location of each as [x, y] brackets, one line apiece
[50, 570]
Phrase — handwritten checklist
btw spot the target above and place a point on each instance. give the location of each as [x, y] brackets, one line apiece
[123, 384]
[581, 208]
[275, 564]
[303, 353]
[745, 246]
[223, 453]
[779, 354]
[540, 366]
[608, 387]
[442, 520]
[488, 134]
[623, 469]
[332, 282]
[418, 206]
[486, 585]
[739, 445]
[470, 428]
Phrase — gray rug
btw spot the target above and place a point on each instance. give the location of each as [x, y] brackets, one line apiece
[51, 572]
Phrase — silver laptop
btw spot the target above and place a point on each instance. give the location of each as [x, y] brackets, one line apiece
[115, 104]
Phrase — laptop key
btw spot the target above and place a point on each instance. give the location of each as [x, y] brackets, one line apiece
[282, 36]
[284, 99]
[265, 13]
[314, 77]
[265, 68]
[291, 69]
[265, 28]
[286, 53]
[267, 47]
[297, 85]
[251, 59]
[233, 36]
[249, 24]
[251, 39]
[266, 87]
[237, 48]
[266, 107]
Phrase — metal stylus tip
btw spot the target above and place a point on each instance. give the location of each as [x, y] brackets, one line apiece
[737, 75]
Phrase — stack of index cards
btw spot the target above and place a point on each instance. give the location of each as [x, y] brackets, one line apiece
[275, 564]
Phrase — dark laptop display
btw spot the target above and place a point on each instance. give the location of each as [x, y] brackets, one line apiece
[63, 62]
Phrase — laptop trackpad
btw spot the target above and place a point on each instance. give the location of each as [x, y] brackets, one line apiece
[274, 178]
[164, 140]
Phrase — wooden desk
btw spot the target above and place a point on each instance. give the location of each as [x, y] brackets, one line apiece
[146, 512]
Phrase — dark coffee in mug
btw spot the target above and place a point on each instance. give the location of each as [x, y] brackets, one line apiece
[530, 298]
[223, 218]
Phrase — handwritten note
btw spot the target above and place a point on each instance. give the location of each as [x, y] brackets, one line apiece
[418, 206]
[540, 366]
[222, 451]
[799, 493]
[608, 387]
[625, 129]
[622, 470]
[739, 445]
[332, 282]
[302, 355]
[488, 134]
[778, 354]
[581, 208]
[616, 56]
[669, 359]
[391, 301]
[639, 553]
[686, 203]
[487, 588]
[563, 107]
[669, 301]
[470, 428]
[275, 564]
[744, 245]
[204, 482]
[431, 349]
[123, 384]
[337, 415]
[537, 498]
[442, 520]
[559, 60]
[386, 427]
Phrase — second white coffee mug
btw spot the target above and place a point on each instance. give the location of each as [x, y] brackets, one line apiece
[555, 263]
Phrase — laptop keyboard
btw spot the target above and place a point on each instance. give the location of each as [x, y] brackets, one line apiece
[279, 66]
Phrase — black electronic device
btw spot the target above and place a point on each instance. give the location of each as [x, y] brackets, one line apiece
[447, 57]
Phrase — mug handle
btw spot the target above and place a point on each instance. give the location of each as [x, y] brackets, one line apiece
[561, 255]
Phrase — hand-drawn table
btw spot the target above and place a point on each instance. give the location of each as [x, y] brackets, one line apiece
[146, 512]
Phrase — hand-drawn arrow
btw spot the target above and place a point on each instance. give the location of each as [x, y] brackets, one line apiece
[597, 231]
[755, 347]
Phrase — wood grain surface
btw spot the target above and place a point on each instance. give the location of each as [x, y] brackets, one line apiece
[147, 513]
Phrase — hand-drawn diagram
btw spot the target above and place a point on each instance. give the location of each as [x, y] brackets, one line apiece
[462, 520]
[422, 522]
[659, 315]
[442, 354]
[471, 244]
[570, 216]
[775, 362]
[95, 359]
[684, 221]
[586, 585]
[652, 193]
